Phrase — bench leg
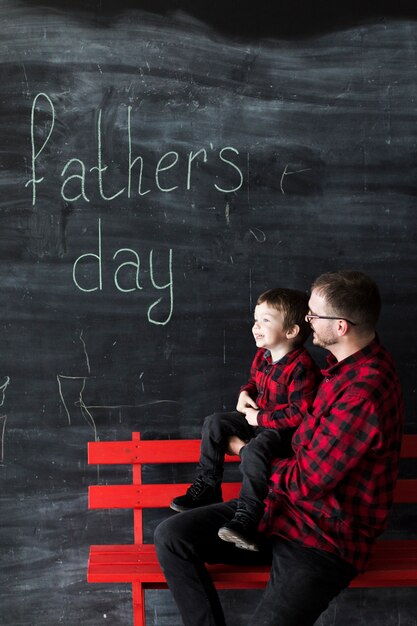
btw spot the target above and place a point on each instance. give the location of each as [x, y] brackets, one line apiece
[138, 604]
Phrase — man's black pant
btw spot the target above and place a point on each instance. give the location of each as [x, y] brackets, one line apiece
[302, 580]
[263, 445]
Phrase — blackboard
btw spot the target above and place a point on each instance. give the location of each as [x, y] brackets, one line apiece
[161, 164]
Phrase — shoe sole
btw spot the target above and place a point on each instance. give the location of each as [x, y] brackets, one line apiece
[182, 509]
[178, 509]
[240, 542]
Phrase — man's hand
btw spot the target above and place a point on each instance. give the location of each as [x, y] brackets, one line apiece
[244, 402]
[251, 416]
[235, 445]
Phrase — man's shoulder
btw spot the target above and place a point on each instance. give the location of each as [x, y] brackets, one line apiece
[374, 378]
[378, 363]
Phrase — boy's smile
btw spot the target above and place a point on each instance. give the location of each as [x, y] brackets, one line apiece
[268, 330]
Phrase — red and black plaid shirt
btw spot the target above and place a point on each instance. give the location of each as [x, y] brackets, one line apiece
[283, 390]
[336, 492]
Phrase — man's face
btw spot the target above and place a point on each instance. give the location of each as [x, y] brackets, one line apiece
[324, 331]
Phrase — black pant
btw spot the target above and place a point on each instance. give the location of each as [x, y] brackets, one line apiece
[263, 445]
[302, 580]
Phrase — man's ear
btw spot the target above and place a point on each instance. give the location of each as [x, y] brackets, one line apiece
[292, 332]
[342, 327]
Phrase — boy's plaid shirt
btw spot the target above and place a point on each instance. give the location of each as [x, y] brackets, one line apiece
[336, 492]
[283, 390]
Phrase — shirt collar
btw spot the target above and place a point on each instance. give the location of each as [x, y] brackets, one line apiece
[287, 358]
[335, 367]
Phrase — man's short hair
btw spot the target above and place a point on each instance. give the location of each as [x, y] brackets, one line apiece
[293, 305]
[352, 295]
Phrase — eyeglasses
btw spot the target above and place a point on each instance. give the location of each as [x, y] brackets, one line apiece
[311, 316]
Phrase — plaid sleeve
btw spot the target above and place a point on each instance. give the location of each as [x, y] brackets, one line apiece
[338, 443]
[301, 391]
[251, 386]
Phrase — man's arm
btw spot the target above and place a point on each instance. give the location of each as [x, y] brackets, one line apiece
[337, 444]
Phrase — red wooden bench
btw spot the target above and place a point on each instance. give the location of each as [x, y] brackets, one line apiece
[394, 562]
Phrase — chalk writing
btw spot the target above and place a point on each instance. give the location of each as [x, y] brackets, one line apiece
[167, 172]
[259, 234]
[87, 359]
[76, 174]
[78, 403]
[287, 173]
[65, 382]
[80, 400]
[36, 152]
[3, 388]
[85, 412]
[3, 420]
[81, 281]
[59, 379]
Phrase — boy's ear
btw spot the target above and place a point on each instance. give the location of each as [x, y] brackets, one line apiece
[292, 332]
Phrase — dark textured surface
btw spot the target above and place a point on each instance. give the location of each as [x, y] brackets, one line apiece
[308, 122]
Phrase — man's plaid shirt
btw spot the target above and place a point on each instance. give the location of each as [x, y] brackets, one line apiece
[283, 390]
[336, 492]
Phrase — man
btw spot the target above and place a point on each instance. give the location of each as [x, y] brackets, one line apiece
[329, 501]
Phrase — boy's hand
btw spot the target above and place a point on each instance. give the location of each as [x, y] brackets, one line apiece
[244, 402]
[252, 416]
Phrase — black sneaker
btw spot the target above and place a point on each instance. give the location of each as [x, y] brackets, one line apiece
[198, 494]
[242, 531]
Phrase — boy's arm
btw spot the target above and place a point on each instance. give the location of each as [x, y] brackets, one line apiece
[301, 392]
[251, 387]
[245, 402]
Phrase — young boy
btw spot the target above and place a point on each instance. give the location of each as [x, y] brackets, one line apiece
[270, 407]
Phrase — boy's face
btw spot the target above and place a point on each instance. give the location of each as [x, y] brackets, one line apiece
[268, 327]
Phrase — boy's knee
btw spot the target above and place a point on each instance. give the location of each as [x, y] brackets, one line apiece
[212, 422]
[267, 441]
[249, 449]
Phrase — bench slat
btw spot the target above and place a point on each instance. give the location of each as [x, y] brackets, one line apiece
[176, 451]
[391, 552]
[144, 496]
[155, 451]
[160, 496]
[138, 563]
[406, 491]
[409, 447]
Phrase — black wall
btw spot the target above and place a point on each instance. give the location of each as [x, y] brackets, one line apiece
[276, 143]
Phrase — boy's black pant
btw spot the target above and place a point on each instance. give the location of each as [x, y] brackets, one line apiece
[302, 580]
[263, 445]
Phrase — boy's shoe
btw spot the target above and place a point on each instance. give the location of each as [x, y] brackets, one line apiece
[242, 531]
[198, 494]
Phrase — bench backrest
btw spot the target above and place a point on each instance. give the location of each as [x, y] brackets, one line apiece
[139, 496]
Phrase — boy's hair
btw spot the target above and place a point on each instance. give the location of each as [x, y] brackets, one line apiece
[351, 294]
[293, 305]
